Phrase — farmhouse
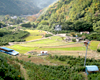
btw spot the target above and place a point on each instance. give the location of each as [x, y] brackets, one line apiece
[86, 32]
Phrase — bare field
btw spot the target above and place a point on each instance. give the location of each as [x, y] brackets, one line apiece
[42, 59]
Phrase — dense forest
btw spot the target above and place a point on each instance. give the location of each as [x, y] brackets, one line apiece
[76, 15]
[22, 7]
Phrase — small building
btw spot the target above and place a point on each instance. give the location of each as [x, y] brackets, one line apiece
[8, 51]
[43, 53]
[91, 69]
[58, 28]
[67, 39]
[79, 39]
[85, 32]
[14, 17]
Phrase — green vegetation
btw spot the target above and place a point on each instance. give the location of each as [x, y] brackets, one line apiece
[77, 64]
[52, 45]
[21, 7]
[21, 49]
[48, 35]
[72, 70]
[34, 34]
[74, 40]
[45, 72]
[53, 41]
[28, 25]
[76, 15]
[9, 20]
[9, 69]
[2, 24]
[91, 36]
[94, 36]
[47, 44]
[98, 50]
[7, 36]
[93, 45]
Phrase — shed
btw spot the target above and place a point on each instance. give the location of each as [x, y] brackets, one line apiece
[79, 39]
[91, 69]
[43, 53]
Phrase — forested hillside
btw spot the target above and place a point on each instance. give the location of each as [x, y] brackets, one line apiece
[20, 7]
[77, 15]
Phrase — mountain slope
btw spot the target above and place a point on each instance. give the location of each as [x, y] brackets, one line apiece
[18, 7]
[74, 11]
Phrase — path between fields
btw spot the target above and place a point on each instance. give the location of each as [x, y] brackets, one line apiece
[23, 71]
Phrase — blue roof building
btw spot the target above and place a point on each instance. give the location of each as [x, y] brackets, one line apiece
[6, 48]
[8, 51]
[91, 68]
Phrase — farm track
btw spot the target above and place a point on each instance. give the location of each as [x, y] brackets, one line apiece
[23, 71]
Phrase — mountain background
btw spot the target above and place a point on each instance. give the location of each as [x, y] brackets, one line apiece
[22, 7]
[77, 15]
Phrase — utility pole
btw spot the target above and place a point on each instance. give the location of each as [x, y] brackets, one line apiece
[86, 42]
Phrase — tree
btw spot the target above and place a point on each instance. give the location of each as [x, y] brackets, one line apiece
[83, 26]
[96, 26]
[44, 22]
[27, 25]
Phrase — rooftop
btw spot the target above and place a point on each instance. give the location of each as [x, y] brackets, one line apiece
[92, 68]
[6, 48]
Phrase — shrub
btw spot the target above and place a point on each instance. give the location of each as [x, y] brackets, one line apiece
[29, 56]
[48, 35]
[74, 40]
[73, 34]
[98, 50]
[79, 35]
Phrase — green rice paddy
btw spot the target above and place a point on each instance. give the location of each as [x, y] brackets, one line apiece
[34, 34]
[94, 44]
[54, 43]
